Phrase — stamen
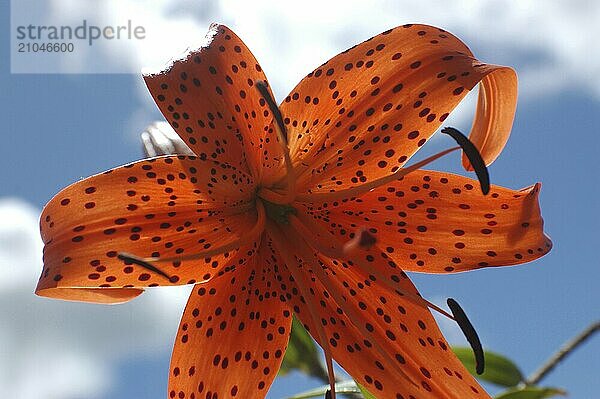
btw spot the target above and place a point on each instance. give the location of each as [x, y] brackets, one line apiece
[275, 197]
[290, 177]
[245, 239]
[336, 250]
[467, 328]
[341, 300]
[308, 229]
[264, 91]
[304, 291]
[474, 156]
[363, 188]
[140, 262]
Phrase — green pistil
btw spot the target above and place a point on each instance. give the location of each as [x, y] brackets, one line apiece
[278, 213]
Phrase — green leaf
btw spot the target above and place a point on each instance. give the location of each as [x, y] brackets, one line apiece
[530, 392]
[302, 354]
[364, 391]
[498, 369]
[346, 386]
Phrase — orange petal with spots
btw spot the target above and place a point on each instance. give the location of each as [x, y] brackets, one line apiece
[161, 207]
[407, 332]
[496, 106]
[232, 337]
[438, 222]
[209, 98]
[364, 113]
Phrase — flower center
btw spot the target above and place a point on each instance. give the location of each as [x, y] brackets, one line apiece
[279, 213]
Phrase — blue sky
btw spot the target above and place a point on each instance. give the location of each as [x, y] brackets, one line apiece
[58, 128]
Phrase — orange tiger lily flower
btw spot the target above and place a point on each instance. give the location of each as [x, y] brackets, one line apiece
[308, 209]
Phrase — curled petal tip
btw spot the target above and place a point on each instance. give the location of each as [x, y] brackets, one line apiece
[496, 107]
[535, 189]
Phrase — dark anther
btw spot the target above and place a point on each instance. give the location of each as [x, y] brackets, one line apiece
[137, 261]
[366, 240]
[328, 394]
[470, 333]
[474, 157]
[264, 91]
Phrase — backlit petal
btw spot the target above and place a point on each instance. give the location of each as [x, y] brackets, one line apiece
[438, 222]
[209, 98]
[232, 336]
[496, 107]
[169, 206]
[372, 315]
[365, 112]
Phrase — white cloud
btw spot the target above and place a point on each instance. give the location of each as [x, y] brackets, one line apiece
[60, 350]
[552, 47]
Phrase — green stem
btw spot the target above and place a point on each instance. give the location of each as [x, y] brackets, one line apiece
[565, 350]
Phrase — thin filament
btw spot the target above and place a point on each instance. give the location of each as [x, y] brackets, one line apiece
[304, 291]
[335, 250]
[458, 315]
[353, 316]
[245, 239]
[290, 175]
[290, 180]
[363, 188]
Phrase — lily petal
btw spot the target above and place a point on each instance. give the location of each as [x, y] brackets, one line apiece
[496, 106]
[160, 207]
[371, 316]
[232, 337]
[364, 113]
[438, 222]
[209, 98]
